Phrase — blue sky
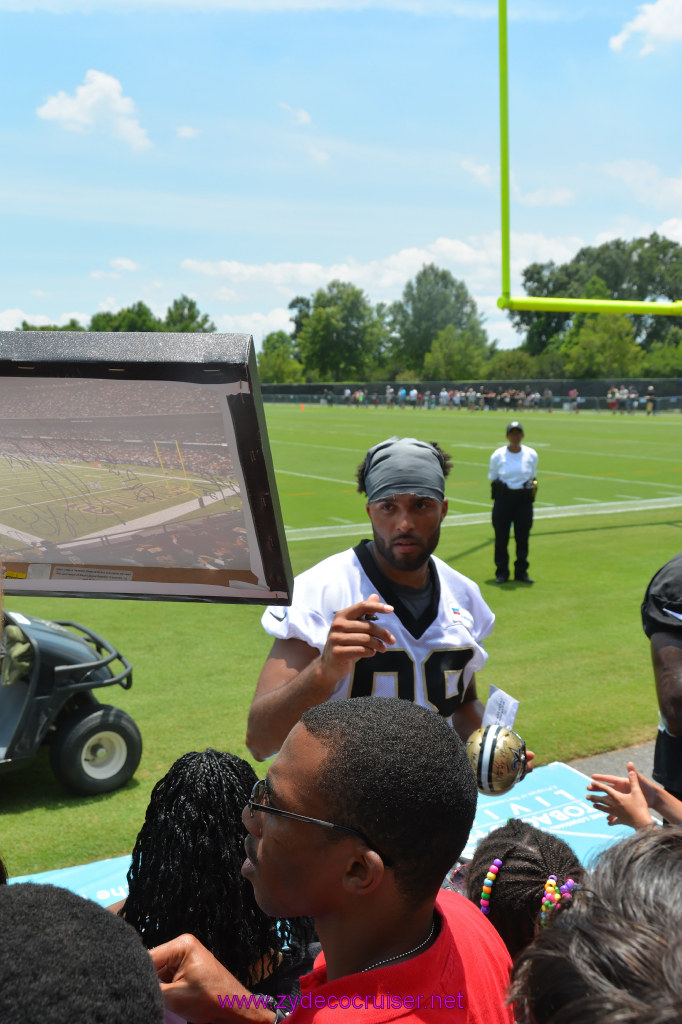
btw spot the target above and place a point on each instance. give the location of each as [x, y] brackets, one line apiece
[248, 151]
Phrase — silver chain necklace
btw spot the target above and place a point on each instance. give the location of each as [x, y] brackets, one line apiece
[403, 956]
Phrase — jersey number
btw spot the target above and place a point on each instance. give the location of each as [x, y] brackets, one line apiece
[442, 671]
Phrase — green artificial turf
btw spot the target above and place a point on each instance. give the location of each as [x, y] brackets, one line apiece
[570, 648]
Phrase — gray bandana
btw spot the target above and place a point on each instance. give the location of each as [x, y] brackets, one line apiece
[403, 465]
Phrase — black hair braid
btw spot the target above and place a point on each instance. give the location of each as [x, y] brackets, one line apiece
[185, 874]
[529, 856]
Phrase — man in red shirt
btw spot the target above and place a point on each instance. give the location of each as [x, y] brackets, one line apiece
[367, 805]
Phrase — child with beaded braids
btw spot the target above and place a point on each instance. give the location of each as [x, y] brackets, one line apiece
[186, 876]
[516, 875]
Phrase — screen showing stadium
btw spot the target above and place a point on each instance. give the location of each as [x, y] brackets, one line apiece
[136, 487]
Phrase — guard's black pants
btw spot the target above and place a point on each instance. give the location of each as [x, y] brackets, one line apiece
[512, 508]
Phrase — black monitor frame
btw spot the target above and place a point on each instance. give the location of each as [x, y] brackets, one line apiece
[215, 370]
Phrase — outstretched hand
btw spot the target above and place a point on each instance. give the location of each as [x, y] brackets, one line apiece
[625, 801]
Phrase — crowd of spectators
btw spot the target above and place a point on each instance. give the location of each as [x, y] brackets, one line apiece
[482, 397]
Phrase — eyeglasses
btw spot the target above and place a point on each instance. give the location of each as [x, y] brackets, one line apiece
[257, 802]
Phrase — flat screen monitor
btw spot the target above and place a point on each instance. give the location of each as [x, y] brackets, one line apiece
[137, 466]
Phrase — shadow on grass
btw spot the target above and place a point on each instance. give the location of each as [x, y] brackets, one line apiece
[465, 552]
[538, 528]
[32, 785]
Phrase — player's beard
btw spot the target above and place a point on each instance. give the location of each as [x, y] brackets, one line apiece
[413, 560]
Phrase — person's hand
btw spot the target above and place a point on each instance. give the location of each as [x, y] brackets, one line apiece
[625, 801]
[530, 757]
[194, 984]
[356, 633]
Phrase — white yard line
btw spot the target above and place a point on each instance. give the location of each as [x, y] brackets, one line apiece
[476, 518]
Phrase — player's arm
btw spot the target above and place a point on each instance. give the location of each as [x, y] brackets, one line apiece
[469, 714]
[296, 676]
[666, 656]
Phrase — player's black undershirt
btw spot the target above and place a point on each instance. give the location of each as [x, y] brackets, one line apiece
[424, 602]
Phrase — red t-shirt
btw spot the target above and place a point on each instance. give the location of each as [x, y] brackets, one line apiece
[460, 979]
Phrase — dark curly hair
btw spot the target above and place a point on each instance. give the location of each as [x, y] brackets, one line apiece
[529, 856]
[443, 458]
[186, 876]
[64, 958]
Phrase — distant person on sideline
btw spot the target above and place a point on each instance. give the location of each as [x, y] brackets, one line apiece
[512, 474]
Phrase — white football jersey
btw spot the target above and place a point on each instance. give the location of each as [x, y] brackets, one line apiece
[434, 656]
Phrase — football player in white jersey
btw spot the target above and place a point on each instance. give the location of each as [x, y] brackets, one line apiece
[384, 618]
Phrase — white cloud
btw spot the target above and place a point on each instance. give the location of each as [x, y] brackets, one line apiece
[481, 172]
[624, 226]
[11, 319]
[82, 318]
[185, 131]
[646, 181]
[257, 324]
[98, 103]
[546, 197]
[671, 229]
[300, 117]
[121, 263]
[657, 23]
[317, 154]
[542, 196]
[476, 260]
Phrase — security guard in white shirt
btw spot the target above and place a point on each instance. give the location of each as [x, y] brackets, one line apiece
[512, 472]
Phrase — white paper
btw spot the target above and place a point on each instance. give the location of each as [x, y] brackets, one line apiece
[501, 709]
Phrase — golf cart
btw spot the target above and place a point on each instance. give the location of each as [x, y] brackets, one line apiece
[49, 672]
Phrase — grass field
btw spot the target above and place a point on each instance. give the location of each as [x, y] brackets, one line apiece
[570, 648]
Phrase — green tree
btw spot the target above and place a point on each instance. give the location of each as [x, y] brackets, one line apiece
[137, 317]
[381, 363]
[644, 269]
[604, 346]
[341, 334]
[552, 362]
[664, 358]
[72, 325]
[183, 316]
[429, 303]
[302, 307]
[457, 355]
[512, 364]
[277, 362]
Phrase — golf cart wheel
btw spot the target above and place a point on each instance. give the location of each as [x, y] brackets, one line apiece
[95, 751]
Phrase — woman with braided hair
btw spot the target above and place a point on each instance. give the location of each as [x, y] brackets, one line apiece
[523, 860]
[186, 876]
